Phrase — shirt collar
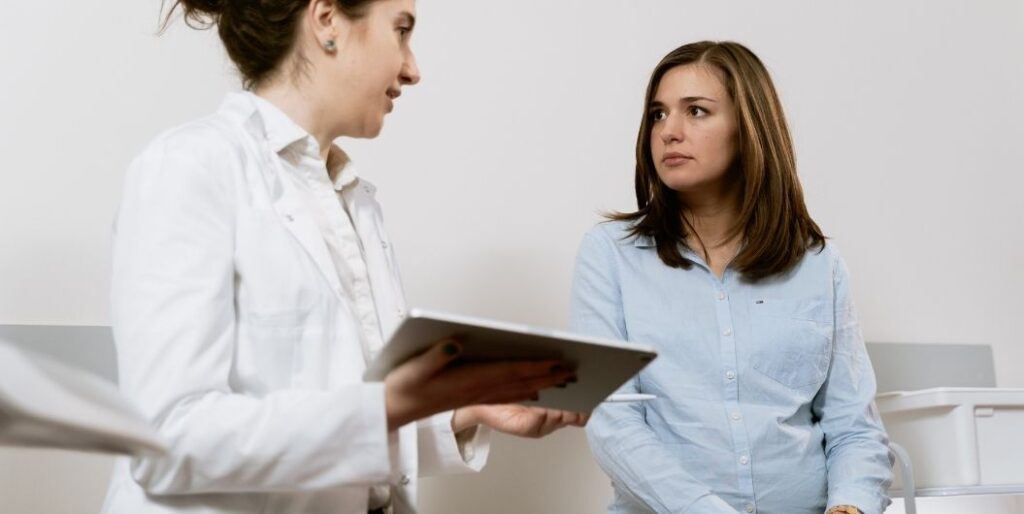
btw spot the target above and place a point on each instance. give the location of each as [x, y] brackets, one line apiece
[342, 172]
[278, 129]
[642, 241]
[282, 133]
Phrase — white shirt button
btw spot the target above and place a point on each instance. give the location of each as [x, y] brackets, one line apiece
[744, 460]
[727, 332]
[405, 480]
[721, 295]
[749, 507]
[736, 416]
[730, 375]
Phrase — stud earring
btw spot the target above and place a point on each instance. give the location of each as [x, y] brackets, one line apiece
[330, 46]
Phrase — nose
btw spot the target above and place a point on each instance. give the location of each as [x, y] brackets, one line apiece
[410, 74]
[672, 130]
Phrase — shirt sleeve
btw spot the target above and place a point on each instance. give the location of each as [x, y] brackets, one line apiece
[624, 445]
[857, 451]
[174, 325]
[441, 452]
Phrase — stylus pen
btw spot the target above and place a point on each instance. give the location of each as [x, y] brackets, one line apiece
[615, 398]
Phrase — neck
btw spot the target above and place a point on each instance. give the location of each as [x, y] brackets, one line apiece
[712, 216]
[301, 108]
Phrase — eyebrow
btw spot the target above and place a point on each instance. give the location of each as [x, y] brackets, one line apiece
[685, 100]
[407, 17]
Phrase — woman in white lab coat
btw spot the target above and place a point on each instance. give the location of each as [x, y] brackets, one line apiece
[253, 280]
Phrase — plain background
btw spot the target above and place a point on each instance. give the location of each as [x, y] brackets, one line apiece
[907, 118]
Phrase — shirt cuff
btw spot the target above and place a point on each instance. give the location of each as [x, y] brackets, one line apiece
[377, 446]
[440, 451]
[867, 502]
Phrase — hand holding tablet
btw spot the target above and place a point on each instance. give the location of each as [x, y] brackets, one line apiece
[601, 366]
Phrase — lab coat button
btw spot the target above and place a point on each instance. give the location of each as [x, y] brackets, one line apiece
[730, 375]
[736, 416]
[721, 295]
[727, 332]
[404, 480]
[749, 507]
[744, 460]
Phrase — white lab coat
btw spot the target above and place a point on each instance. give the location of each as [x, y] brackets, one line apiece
[235, 338]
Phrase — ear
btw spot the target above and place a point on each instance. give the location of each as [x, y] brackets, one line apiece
[325, 22]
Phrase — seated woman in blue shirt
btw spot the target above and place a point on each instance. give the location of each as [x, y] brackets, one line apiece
[764, 390]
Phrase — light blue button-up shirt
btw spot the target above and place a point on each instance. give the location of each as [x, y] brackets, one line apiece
[764, 390]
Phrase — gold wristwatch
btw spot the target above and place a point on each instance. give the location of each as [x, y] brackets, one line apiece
[843, 509]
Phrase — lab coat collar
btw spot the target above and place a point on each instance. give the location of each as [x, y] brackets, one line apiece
[281, 133]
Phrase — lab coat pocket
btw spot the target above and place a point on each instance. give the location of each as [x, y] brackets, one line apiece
[268, 344]
[793, 340]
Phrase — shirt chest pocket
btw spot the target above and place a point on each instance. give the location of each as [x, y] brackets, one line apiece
[793, 340]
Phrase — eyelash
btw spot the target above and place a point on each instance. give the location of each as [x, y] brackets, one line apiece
[693, 110]
[403, 32]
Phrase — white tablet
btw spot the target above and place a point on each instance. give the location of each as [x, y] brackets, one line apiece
[602, 365]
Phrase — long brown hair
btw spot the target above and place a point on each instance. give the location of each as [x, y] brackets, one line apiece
[773, 220]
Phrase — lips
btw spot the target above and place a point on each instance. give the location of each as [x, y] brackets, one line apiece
[675, 159]
[392, 94]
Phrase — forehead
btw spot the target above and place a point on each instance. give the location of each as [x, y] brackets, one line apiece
[394, 7]
[690, 80]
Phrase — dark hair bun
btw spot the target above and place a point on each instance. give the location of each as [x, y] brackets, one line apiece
[203, 11]
[257, 34]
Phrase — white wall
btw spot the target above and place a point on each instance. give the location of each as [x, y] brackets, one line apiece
[907, 118]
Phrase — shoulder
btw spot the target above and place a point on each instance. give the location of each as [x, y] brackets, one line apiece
[826, 261]
[209, 138]
[611, 234]
[830, 256]
[609, 245]
[205, 151]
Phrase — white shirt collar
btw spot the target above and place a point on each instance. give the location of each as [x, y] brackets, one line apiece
[281, 133]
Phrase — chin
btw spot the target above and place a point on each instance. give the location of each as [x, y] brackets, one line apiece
[369, 131]
[681, 182]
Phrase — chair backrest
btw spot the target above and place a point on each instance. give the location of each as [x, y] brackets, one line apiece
[85, 347]
[49, 481]
[912, 366]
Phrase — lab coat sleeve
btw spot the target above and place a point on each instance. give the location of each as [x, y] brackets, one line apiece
[856, 446]
[623, 444]
[174, 325]
[440, 452]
